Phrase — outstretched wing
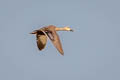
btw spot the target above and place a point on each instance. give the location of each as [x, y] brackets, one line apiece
[53, 36]
[41, 40]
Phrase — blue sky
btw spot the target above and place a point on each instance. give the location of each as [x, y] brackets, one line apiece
[92, 51]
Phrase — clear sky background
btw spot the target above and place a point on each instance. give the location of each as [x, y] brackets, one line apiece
[92, 51]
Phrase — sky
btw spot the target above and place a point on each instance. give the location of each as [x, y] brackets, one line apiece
[91, 52]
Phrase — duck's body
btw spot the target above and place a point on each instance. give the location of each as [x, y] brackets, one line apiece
[49, 32]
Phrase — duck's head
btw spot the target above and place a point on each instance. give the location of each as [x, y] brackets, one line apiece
[68, 28]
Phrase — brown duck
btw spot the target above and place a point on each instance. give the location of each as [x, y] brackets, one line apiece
[49, 32]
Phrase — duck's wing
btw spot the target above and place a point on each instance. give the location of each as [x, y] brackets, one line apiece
[53, 36]
[41, 40]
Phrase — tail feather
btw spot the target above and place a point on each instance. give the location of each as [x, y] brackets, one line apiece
[34, 32]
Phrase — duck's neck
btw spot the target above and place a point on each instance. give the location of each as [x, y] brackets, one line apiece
[60, 29]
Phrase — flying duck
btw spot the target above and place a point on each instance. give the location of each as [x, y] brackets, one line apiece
[50, 32]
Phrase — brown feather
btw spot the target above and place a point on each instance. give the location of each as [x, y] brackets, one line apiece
[48, 32]
[41, 41]
[53, 36]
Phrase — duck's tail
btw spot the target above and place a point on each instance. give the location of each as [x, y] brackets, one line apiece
[34, 32]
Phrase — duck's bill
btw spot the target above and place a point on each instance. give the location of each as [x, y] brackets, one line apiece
[71, 30]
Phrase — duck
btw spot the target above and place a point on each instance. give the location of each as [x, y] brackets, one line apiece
[50, 32]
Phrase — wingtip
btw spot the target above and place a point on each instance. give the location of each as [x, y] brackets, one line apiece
[62, 53]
